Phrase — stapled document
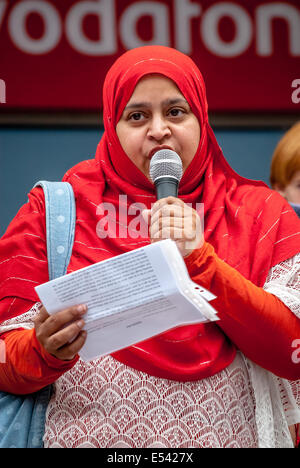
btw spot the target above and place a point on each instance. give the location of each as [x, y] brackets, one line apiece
[130, 298]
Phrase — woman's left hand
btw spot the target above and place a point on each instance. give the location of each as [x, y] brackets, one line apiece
[171, 218]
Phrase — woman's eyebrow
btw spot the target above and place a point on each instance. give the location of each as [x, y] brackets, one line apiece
[134, 105]
[166, 102]
[172, 102]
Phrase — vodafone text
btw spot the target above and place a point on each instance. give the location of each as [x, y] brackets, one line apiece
[165, 16]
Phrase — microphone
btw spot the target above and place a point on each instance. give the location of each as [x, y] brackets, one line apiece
[166, 172]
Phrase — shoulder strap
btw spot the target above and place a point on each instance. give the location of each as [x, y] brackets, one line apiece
[60, 225]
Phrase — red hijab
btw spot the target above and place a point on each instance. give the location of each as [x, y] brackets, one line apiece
[250, 227]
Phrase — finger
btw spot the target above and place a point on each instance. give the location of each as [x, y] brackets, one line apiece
[42, 316]
[188, 222]
[166, 222]
[68, 352]
[190, 227]
[64, 337]
[171, 211]
[173, 233]
[59, 320]
[164, 202]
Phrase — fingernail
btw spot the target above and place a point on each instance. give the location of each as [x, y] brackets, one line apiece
[80, 323]
[81, 308]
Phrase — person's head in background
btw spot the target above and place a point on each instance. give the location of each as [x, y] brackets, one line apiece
[285, 166]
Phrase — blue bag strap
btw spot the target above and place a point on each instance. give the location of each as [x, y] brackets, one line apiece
[60, 225]
[60, 230]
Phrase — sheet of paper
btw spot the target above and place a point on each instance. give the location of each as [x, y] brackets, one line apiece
[130, 298]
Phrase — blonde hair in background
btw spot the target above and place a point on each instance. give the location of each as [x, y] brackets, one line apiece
[286, 158]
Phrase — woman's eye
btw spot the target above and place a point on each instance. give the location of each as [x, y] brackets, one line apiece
[137, 116]
[175, 112]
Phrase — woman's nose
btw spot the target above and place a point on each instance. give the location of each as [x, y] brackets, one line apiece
[158, 128]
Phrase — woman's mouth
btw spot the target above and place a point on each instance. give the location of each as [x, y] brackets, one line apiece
[158, 148]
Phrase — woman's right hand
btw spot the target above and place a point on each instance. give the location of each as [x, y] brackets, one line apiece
[61, 334]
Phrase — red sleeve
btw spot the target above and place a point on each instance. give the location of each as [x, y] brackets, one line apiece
[23, 253]
[25, 367]
[257, 322]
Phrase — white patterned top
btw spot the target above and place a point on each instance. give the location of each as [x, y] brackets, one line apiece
[104, 403]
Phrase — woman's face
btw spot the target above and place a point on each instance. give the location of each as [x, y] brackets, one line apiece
[291, 192]
[158, 116]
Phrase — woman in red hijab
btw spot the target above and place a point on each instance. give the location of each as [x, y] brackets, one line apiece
[207, 385]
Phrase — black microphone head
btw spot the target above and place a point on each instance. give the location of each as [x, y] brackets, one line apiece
[166, 163]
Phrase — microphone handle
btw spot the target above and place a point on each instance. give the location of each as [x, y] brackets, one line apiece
[166, 187]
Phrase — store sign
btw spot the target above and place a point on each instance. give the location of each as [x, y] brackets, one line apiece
[55, 54]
